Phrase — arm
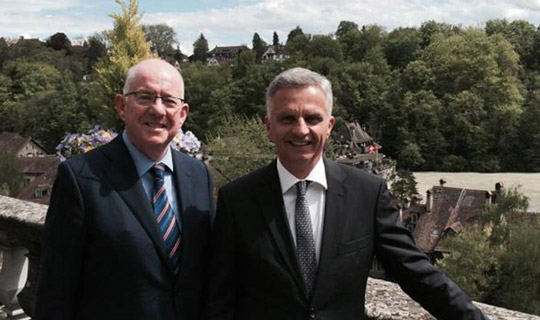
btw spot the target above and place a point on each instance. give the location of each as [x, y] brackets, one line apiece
[222, 277]
[63, 252]
[412, 269]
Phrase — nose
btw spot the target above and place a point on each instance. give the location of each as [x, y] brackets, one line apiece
[301, 128]
[157, 107]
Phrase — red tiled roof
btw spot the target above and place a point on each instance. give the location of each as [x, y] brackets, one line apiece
[12, 142]
[43, 182]
[37, 165]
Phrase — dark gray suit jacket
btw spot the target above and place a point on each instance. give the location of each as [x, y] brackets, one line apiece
[254, 273]
[103, 257]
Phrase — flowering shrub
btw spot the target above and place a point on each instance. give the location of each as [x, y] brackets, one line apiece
[79, 143]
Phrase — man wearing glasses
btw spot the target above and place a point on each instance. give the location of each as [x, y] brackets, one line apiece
[127, 227]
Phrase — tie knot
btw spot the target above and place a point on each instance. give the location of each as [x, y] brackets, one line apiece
[301, 187]
[158, 170]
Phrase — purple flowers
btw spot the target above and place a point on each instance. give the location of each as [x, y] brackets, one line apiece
[78, 143]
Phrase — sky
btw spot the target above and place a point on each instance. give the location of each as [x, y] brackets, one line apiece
[233, 22]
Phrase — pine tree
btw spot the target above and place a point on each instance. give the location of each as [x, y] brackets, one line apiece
[128, 46]
[275, 40]
[200, 49]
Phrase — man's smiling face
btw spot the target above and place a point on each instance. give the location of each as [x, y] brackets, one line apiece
[299, 124]
[151, 128]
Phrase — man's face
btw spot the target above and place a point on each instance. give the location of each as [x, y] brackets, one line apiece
[151, 127]
[299, 124]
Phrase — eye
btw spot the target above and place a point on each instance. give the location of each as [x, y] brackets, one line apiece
[144, 97]
[286, 119]
[313, 119]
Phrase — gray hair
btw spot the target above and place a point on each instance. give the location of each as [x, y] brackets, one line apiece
[297, 78]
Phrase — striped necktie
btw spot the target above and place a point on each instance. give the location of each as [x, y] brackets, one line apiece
[305, 244]
[166, 221]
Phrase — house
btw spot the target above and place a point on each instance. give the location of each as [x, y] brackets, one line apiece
[354, 146]
[39, 189]
[221, 55]
[33, 167]
[447, 211]
[13, 143]
[276, 53]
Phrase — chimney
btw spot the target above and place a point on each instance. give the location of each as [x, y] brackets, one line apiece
[428, 201]
[442, 182]
[488, 198]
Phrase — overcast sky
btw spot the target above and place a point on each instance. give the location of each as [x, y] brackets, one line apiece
[233, 22]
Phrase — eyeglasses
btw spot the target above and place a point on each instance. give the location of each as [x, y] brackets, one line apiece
[146, 99]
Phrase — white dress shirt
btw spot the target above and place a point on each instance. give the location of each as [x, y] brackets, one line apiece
[315, 196]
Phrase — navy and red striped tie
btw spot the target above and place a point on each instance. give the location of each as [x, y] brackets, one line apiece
[165, 218]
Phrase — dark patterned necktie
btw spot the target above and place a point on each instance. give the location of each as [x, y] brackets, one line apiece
[305, 245]
[166, 221]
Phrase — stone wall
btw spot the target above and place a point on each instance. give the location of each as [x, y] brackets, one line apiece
[21, 230]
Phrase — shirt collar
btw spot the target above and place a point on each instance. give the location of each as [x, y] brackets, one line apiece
[142, 162]
[287, 179]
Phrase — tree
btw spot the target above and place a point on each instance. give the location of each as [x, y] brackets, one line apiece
[520, 33]
[97, 50]
[344, 27]
[259, 46]
[297, 43]
[128, 46]
[59, 41]
[200, 49]
[496, 261]
[324, 47]
[402, 46]
[162, 39]
[275, 39]
[11, 181]
[239, 147]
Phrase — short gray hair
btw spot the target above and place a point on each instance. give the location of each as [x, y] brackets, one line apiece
[297, 78]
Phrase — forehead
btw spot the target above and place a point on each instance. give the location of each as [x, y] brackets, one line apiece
[295, 99]
[157, 79]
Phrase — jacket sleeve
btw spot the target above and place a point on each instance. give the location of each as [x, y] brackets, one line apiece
[412, 269]
[63, 251]
[222, 277]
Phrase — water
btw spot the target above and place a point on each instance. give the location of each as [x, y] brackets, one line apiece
[529, 183]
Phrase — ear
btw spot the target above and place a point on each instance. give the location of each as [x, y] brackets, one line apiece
[184, 110]
[331, 123]
[120, 106]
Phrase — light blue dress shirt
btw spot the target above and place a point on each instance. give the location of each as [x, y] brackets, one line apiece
[143, 164]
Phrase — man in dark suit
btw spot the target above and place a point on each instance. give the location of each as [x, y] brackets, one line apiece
[295, 239]
[127, 229]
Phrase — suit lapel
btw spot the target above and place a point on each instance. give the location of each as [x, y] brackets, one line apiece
[334, 218]
[270, 198]
[125, 180]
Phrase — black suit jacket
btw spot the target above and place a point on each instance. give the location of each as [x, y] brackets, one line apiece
[103, 257]
[254, 273]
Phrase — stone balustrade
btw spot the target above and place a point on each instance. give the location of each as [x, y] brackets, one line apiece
[21, 233]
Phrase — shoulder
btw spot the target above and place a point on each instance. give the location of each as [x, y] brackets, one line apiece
[350, 173]
[247, 183]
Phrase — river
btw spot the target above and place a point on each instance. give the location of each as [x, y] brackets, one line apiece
[528, 183]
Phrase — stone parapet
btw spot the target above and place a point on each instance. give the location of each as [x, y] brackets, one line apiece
[21, 233]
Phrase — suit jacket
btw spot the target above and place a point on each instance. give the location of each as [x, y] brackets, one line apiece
[254, 273]
[103, 256]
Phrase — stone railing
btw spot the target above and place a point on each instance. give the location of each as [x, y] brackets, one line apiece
[21, 232]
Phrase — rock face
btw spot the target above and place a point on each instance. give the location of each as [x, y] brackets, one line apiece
[386, 301]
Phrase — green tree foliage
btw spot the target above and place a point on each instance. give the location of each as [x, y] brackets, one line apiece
[128, 46]
[403, 46]
[97, 49]
[405, 185]
[11, 181]
[324, 47]
[259, 47]
[240, 146]
[496, 261]
[297, 43]
[162, 39]
[59, 41]
[275, 39]
[200, 49]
